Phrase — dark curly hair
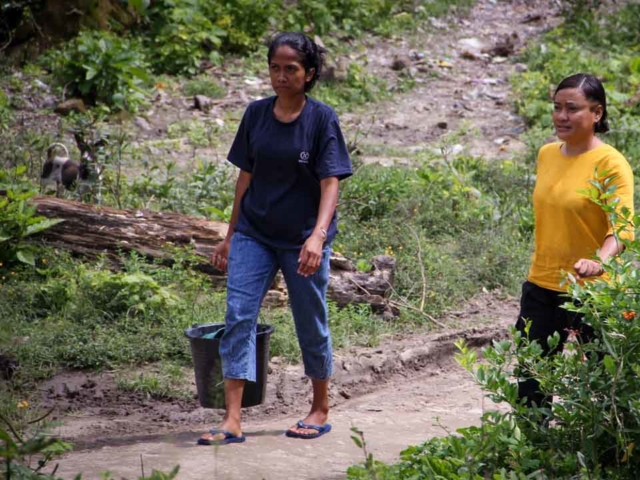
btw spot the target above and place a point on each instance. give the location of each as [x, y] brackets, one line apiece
[593, 90]
[311, 54]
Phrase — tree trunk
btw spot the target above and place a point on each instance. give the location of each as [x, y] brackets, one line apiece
[90, 230]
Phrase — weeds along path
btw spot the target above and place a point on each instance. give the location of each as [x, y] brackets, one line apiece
[399, 393]
[461, 69]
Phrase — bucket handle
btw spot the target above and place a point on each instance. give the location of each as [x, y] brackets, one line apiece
[211, 336]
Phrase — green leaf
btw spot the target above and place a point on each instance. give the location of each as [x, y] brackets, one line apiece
[140, 6]
[610, 365]
[91, 73]
[141, 73]
[26, 256]
[42, 225]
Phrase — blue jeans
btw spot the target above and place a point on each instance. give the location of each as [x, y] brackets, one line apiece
[252, 267]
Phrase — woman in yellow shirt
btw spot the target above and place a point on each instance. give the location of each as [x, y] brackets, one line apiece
[572, 234]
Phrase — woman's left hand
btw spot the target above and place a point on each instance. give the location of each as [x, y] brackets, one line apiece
[311, 255]
[588, 268]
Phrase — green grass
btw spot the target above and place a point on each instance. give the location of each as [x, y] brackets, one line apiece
[204, 85]
[77, 315]
[165, 380]
[463, 225]
[455, 226]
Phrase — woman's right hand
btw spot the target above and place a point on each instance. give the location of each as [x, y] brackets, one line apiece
[220, 255]
[585, 268]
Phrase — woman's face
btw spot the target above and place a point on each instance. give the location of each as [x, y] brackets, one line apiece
[574, 116]
[287, 73]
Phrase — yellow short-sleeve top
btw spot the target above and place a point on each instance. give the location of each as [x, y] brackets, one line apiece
[568, 225]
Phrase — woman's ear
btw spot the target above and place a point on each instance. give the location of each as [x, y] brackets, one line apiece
[598, 111]
[309, 74]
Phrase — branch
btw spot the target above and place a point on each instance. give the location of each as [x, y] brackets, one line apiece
[422, 273]
[13, 430]
[42, 417]
[416, 309]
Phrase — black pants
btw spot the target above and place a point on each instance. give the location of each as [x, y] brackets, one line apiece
[543, 308]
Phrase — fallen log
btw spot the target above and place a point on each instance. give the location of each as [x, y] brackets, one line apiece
[89, 230]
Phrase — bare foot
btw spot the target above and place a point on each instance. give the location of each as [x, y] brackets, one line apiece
[229, 425]
[318, 418]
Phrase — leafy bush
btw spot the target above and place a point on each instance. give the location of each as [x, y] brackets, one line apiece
[374, 193]
[204, 86]
[118, 294]
[102, 67]
[593, 426]
[182, 33]
[207, 190]
[246, 22]
[18, 220]
[83, 316]
[27, 449]
[18, 452]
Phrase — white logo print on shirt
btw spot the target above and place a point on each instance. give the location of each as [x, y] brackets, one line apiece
[304, 157]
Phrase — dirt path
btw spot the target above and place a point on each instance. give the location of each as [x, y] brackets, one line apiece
[462, 70]
[392, 418]
[396, 391]
[393, 392]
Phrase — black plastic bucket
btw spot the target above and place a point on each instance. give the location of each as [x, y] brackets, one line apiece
[205, 341]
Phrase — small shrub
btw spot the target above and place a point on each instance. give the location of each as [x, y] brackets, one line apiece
[19, 449]
[18, 220]
[182, 34]
[103, 68]
[358, 88]
[118, 294]
[204, 86]
[207, 190]
[591, 429]
[5, 112]
[374, 193]
[246, 22]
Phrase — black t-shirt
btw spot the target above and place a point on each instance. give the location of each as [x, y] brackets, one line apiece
[287, 162]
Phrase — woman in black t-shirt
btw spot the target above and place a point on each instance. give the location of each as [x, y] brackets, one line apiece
[291, 155]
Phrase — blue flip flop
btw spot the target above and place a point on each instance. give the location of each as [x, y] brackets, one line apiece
[228, 438]
[320, 430]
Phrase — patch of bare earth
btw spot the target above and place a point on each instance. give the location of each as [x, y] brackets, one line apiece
[462, 70]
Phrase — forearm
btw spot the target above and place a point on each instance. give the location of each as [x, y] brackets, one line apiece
[610, 248]
[328, 202]
[242, 184]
